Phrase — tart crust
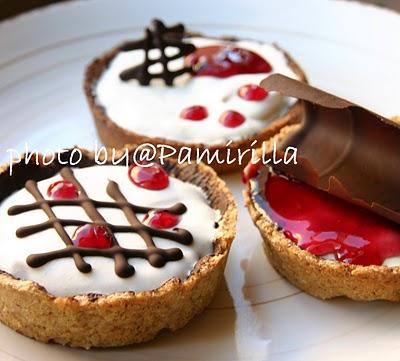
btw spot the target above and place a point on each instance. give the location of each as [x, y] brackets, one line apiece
[321, 278]
[112, 135]
[118, 319]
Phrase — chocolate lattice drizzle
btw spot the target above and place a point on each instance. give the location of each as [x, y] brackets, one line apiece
[157, 257]
[158, 37]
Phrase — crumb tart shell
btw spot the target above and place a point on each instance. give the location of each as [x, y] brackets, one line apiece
[118, 319]
[112, 135]
[316, 276]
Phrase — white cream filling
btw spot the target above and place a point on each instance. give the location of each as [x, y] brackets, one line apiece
[62, 278]
[155, 110]
[392, 261]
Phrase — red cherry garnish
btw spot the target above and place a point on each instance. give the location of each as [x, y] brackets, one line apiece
[250, 171]
[63, 190]
[152, 177]
[231, 119]
[92, 236]
[252, 92]
[224, 61]
[161, 219]
[195, 112]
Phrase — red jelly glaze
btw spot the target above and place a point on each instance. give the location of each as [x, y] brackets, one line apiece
[195, 112]
[225, 61]
[92, 236]
[231, 119]
[252, 92]
[63, 190]
[162, 219]
[152, 177]
[322, 224]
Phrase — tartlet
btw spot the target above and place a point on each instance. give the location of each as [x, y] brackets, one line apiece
[116, 132]
[116, 318]
[328, 225]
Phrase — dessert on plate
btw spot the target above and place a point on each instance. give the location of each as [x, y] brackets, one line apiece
[103, 255]
[187, 90]
[331, 222]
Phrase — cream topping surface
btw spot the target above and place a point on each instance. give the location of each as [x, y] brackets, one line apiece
[154, 110]
[61, 277]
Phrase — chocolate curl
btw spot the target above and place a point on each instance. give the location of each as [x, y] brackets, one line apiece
[343, 149]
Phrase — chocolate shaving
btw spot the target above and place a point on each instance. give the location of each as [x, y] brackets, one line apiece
[157, 257]
[343, 149]
[158, 37]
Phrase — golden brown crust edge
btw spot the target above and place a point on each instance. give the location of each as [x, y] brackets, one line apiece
[396, 118]
[113, 135]
[123, 318]
[322, 278]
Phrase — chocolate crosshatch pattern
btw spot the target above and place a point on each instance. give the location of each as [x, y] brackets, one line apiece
[159, 37]
[157, 257]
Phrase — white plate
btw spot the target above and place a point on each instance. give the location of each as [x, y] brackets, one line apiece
[346, 48]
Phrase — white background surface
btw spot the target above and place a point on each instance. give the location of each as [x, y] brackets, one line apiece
[346, 48]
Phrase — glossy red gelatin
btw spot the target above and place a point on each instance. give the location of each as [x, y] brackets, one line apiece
[195, 112]
[92, 236]
[231, 119]
[252, 92]
[62, 190]
[225, 61]
[161, 219]
[324, 224]
[152, 177]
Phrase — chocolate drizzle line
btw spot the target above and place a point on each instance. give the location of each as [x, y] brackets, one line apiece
[343, 149]
[157, 257]
[158, 37]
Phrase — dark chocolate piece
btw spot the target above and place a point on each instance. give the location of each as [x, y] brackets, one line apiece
[157, 257]
[158, 37]
[343, 148]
